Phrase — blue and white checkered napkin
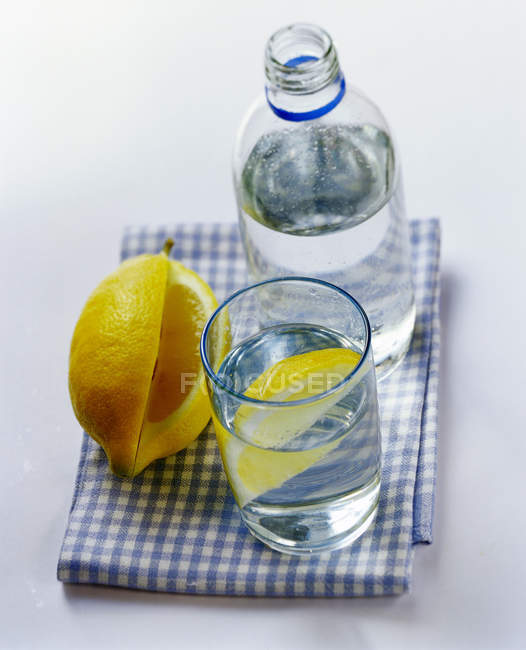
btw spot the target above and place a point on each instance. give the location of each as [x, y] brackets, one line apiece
[176, 528]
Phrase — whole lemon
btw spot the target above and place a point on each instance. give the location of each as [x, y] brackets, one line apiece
[135, 376]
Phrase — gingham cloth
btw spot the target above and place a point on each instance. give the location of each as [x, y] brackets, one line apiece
[176, 528]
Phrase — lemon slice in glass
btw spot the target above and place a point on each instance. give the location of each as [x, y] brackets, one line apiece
[252, 463]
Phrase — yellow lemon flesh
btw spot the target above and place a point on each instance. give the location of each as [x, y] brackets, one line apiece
[254, 467]
[135, 377]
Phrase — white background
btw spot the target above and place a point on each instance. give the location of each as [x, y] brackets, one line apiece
[125, 112]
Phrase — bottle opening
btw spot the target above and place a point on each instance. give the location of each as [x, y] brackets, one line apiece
[301, 59]
[299, 41]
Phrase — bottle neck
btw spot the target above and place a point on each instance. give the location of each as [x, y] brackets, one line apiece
[304, 80]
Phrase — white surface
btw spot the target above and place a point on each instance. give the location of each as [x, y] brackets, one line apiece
[125, 112]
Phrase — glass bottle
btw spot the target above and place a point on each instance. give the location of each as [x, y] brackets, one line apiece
[318, 186]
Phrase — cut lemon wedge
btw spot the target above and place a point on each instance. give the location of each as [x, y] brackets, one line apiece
[135, 376]
[250, 458]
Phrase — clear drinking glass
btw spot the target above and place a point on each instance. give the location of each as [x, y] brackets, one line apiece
[319, 187]
[294, 404]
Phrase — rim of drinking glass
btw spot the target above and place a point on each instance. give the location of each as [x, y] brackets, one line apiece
[306, 400]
